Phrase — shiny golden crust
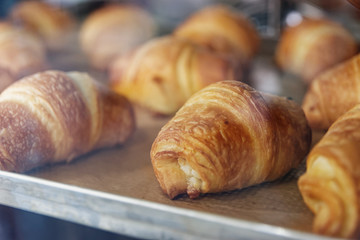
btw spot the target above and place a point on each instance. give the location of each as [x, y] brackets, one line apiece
[331, 185]
[21, 53]
[54, 116]
[313, 46]
[223, 30]
[115, 30]
[333, 93]
[229, 136]
[163, 73]
[51, 23]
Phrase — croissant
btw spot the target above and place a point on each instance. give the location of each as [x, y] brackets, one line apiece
[313, 46]
[163, 73]
[332, 93]
[6, 79]
[229, 136]
[21, 53]
[54, 25]
[54, 116]
[114, 30]
[222, 29]
[331, 185]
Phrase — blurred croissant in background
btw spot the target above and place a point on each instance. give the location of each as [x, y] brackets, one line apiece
[163, 73]
[21, 53]
[54, 25]
[332, 94]
[312, 46]
[115, 30]
[223, 30]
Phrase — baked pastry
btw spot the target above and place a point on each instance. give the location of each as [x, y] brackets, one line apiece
[229, 136]
[332, 93]
[21, 53]
[223, 30]
[6, 79]
[331, 185]
[313, 46]
[163, 73]
[54, 116]
[53, 24]
[115, 30]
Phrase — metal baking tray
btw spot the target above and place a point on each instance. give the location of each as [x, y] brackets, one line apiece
[115, 189]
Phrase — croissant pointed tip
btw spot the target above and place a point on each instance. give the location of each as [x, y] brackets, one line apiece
[167, 170]
[173, 193]
[174, 188]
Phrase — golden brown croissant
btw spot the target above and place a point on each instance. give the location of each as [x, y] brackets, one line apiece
[331, 185]
[21, 53]
[54, 25]
[54, 116]
[163, 73]
[229, 136]
[333, 93]
[313, 46]
[114, 30]
[223, 30]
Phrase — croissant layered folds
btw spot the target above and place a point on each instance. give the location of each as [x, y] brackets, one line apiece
[333, 93]
[163, 73]
[53, 24]
[313, 46]
[229, 136]
[114, 30]
[223, 30]
[55, 116]
[21, 53]
[331, 185]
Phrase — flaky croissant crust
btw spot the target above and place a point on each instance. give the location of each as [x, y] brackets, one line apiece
[55, 116]
[163, 73]
[228, 136]
[331, 185]
[332, 94]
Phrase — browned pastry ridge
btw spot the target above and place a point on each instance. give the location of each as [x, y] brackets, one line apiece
[333, 93]
[164, 72]
[229, 136]
[21, 53]
[54, 116]
[313, 46]
[53, 24]
[222, 29]
[114, 30]
[331, 185]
